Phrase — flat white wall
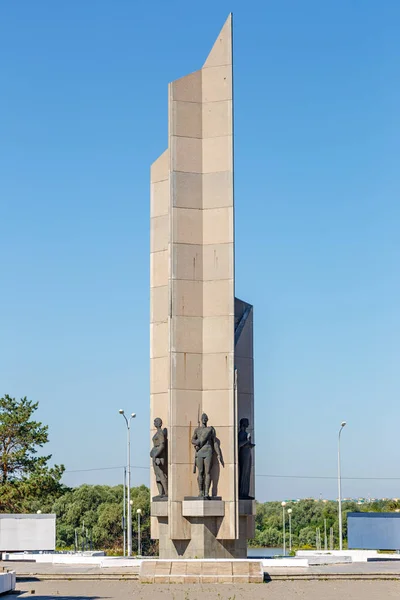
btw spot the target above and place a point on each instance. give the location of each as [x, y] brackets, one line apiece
[7, 582]
[27, 532]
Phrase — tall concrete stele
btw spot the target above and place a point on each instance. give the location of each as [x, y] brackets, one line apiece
[201, 335]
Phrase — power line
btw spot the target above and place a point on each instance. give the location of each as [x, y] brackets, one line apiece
[103, 469]
[329, 477]
[257, 474]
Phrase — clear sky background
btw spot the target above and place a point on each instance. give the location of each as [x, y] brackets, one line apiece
[83, 108]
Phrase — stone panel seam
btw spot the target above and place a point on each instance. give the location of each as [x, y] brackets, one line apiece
[204, 243]
[202, 210]
[216, 66]
[207, 101]
[209, 137]
[213, 172]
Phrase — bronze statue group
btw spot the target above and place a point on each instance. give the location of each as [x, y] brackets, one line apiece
[207, 447]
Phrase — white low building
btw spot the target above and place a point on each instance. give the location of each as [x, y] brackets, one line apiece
[27, 533]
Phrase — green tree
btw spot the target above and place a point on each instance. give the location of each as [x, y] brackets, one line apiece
[307, 536]
[25, 476]
[100, 508]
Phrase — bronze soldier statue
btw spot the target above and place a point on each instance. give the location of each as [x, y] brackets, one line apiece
[245, 459]
[205, 443]
[160, 459]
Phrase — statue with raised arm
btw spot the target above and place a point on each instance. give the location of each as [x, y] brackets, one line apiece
[245, 459]
[160, 459]
[205, 444]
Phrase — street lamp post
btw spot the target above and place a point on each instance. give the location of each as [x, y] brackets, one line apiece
[283, 504]
[129, 524]
[124, 512]
[343, 424]
[290, 529]
[139, 541]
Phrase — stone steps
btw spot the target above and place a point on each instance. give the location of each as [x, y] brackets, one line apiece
[201, 571]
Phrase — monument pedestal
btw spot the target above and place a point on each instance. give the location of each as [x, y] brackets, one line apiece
[203, 543]
[205, 518]
[198, 571]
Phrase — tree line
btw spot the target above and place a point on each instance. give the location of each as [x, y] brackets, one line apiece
[307, 517]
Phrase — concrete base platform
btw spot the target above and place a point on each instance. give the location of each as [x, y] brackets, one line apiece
[201, 571]
[203, 508]
[7, 582]
[355, 555]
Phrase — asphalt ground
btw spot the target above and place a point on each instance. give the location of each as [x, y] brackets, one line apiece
[275, 590]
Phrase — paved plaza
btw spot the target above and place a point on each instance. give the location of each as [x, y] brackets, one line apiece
[373, 569]
[357, 581]
[276, 590]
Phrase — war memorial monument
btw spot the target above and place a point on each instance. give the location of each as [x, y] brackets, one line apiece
[201, 349]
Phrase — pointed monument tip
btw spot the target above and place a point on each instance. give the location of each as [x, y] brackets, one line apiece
[221, 53]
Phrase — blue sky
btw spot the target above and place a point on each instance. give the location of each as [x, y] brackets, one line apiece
[317, 123]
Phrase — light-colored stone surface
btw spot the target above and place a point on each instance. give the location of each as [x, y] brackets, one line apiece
[188, 88]
[159, 408]
[217, 155]
[187, 190]
[217, 334]
[203, 508]
[159, 509]
[159, 375]
[158, 304]
[180, 443]
[217, 299]
[217, 225]
[219, 406]
[187, 261]
[216, 189]
[179, 527]
[159, 233]
[217, 84]
[226, 438]
[226, 482]
[357, 556]
[159, 268]
[186, 334]
[217, 373]
[166, 571]
[186, 375]
[159, 337]
[193, 316]
[218, 262]
[187, 296]
[159, 299]
[159, 198]
[217, 119]
[187, 226]
[186, 154]
[187, 119]
[183, 483]
[227, 524]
